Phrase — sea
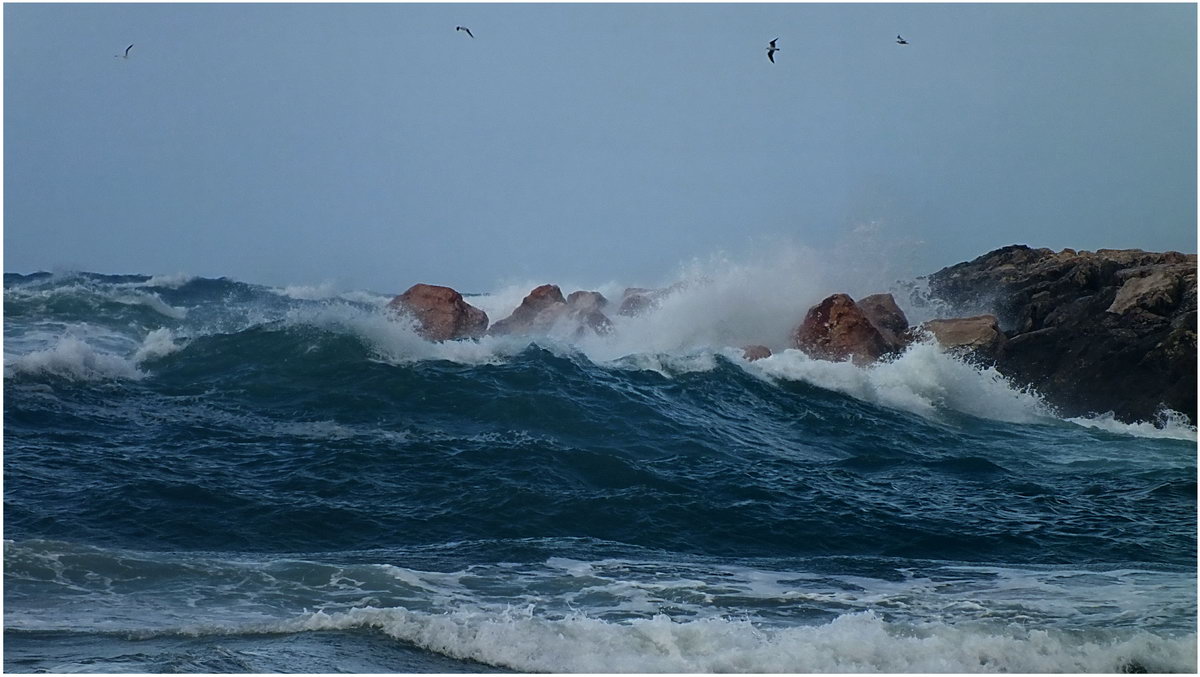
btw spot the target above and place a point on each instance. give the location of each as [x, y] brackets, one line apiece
[219, 476]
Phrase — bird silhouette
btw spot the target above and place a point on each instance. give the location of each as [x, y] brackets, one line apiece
[125, 55]
[771, 51]
[464, 28]
[901, 41]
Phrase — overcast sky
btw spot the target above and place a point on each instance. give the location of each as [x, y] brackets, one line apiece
[375, 146]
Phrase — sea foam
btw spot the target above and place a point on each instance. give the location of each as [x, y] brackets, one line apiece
[857, 642]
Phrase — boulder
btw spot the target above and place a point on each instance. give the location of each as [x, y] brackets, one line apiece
[545, 311]
[586, 301]
[980, 334]
[638, 300]
[441, 313]
[1157, 292]
[882, 311]
[1110, 330]
[755, 352]
[539, 309]
[836, 329]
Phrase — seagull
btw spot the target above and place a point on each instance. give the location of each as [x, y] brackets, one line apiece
[125, 55]
[771, 51]
[464, 28]
[901, 41]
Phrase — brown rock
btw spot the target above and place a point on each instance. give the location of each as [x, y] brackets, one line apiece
[837, 328]
[1157, 292]
[752, 353]
[441, 312]
[882, 311]
[586, 301]
[538, 309]
[980, 334]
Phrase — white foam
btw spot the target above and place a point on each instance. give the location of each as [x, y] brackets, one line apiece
[169, 281]
[858, 642]
[153, 302]
[74, 359]
[923, 380]
[324, 290]
[1168, 424]
[158, 343]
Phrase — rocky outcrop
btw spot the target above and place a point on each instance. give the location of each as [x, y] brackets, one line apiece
[539, 309]
[441, 313]
[979, 335]
[544, 310]
[1110, 330]
[837, 328]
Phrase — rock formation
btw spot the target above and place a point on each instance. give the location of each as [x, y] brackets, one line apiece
[1110, 330]
[545, 309]
[837, 328]
[979, 335]
[441, 313]
[539, 308]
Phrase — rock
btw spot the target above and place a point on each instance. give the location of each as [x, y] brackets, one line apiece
[1110, 330]
[545, 311]
[837, 328]
[1157, 292]
[635, 304]
[586, 301]
[980, 334]
[637, 300]
[752, 353]
[585, 308]
[441, 313]
[882, 311]
[540, 308]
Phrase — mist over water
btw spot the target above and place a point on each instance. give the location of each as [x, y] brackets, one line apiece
[213, 475]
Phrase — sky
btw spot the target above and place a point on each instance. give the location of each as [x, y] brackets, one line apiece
[374, 146]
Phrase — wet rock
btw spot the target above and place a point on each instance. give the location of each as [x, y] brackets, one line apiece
[538, 310]
[441, 313]
[980, 334]
[1110, 330]
[882, 311]
[836, 329]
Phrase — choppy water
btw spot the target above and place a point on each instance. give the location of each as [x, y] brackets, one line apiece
[207, 475]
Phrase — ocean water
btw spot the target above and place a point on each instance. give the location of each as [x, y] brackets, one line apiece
[208, 475]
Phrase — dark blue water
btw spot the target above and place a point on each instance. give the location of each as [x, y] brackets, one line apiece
[211, 476]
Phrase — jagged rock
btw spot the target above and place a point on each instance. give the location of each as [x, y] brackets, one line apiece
[1110, 330]
[980, 334]
[837, 328]
[882, 311]
[441, 313]
[752, 353]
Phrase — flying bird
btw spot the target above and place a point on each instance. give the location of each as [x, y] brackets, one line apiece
[771, 51]
[125, 55]
[901, 41]
[465, 29]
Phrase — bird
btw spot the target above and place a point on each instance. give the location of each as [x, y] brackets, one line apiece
[125, 55]
[464, 28]
[771, 51]
[901, 41]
